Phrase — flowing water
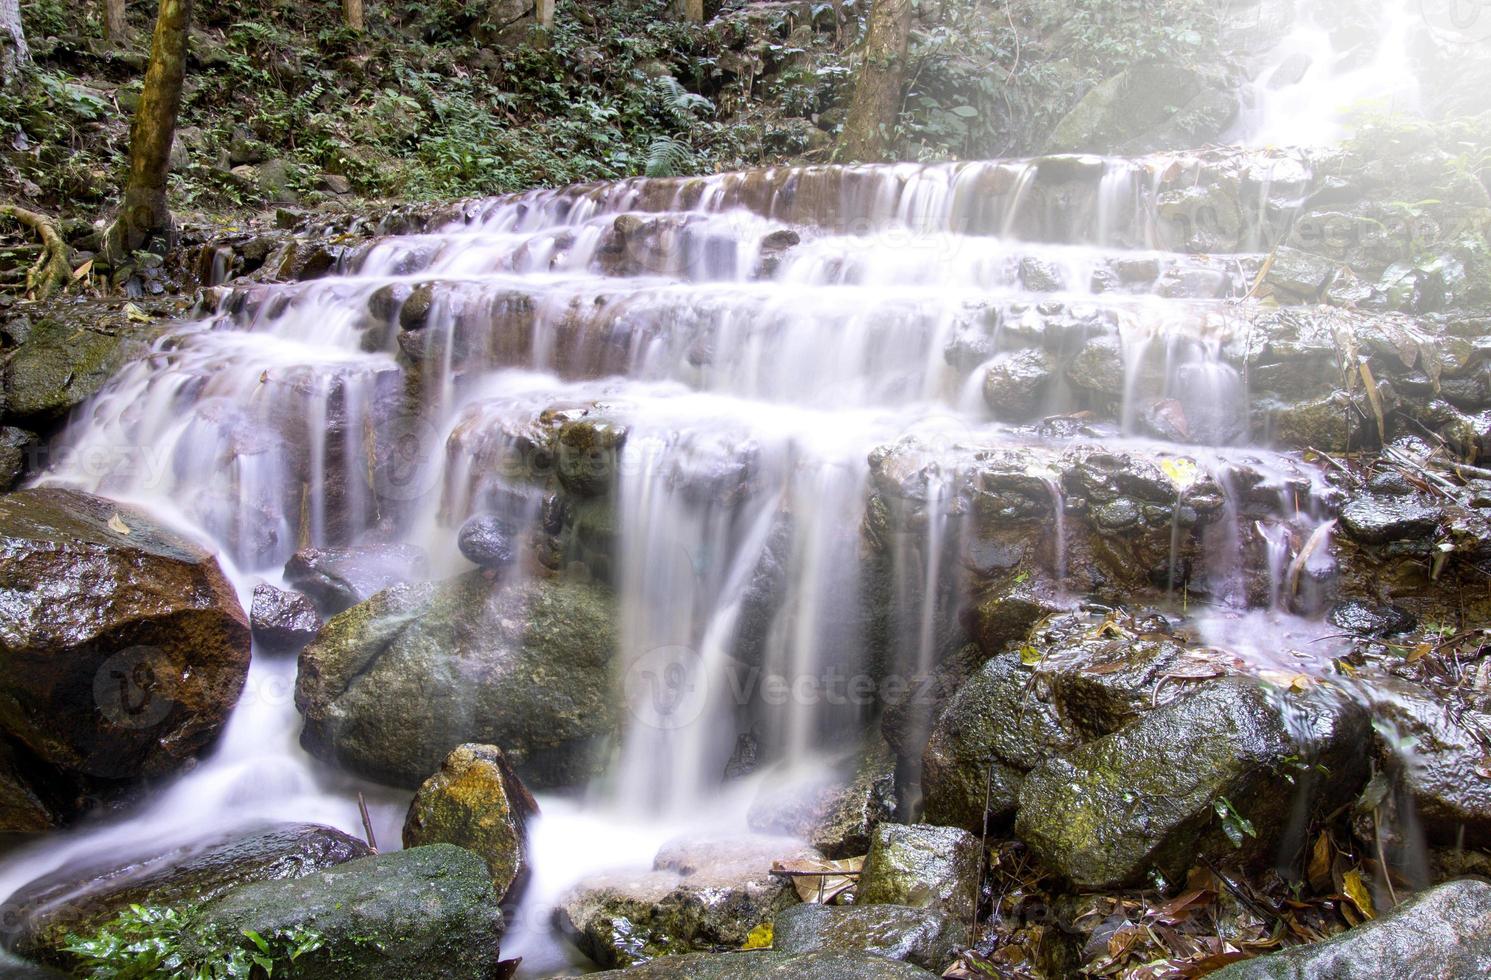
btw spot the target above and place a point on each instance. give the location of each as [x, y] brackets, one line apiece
[757, 336]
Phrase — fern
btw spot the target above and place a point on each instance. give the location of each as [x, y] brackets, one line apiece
[668, 157]
[680, 100]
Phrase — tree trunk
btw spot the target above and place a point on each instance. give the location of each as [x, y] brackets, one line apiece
[545, 10]
[14, 54]
[115, 26]
[692, 11]
[146, 214]
[352, 11]
[876, 101]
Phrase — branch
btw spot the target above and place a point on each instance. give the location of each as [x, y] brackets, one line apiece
[53, 271]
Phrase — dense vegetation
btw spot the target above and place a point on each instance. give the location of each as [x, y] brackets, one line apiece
[429, 103]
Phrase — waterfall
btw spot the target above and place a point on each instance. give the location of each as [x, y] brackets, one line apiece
[758, 337]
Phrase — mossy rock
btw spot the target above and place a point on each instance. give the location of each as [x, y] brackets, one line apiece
[427, 912]
[1148, 801]
[922, 866]
[82, 899]
[67, 357]
[993, 731]
[392, 685]
[477, 802]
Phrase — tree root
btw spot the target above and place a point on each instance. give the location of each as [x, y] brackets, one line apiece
[52, 271]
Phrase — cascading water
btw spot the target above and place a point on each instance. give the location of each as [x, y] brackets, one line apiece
[758, 338]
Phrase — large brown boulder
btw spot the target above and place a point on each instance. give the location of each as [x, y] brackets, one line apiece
[122, 651]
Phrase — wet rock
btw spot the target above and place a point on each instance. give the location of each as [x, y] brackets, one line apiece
[62, 363]
[1037, 276]
[477, 802]
[414, 314]
[701, 895]
[828, 965]
[1440, 933]
[1015, 383]
[993, 731]
[123, 647]
[283, 622]
[489, 541]
[923, 937]
[337, 579]
[1099, 675]
[428, 912]
[1368, 619]
[1322, 423]
[385, 303]
[1004, 615]
[835, 816]
[1144, 800]
[923, 867]
[1373, 520]
[523, 666]
[14, 446]
[589, 451]
[1300, 274]
[745, 758]
[81, 899]
[1098, 367]
[1435, 752]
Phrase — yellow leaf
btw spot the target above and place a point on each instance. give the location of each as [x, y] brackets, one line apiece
[759, 938]
[1356, 890]
[83, 270]
[1181, 471]
[117, 525]
[135, 313]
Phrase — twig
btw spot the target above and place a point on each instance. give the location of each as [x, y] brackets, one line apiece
[983, 848]
[1387, 872]
[367, 823]
[1245, 898]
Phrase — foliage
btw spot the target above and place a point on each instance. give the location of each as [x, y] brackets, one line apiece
[156, 942]
[1234, 824]
[991, 78]
[429, 103]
